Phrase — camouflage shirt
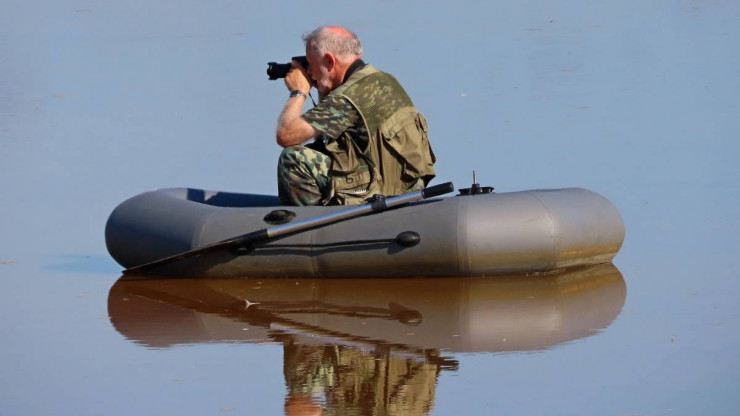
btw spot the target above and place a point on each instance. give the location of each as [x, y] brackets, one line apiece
[335, 115]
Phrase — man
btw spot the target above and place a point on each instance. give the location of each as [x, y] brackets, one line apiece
[368, 137]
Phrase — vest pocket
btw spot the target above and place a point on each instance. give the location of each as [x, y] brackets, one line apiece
[352, 189]
[408, 155]
[350, 174]
[344, 155]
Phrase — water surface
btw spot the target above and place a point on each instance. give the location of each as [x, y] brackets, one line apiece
[102, 100]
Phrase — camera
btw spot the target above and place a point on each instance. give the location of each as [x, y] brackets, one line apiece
[276, 70]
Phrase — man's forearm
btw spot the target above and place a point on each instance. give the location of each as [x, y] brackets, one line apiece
[292, 129]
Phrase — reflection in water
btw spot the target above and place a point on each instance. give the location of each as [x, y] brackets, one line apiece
[370, 346]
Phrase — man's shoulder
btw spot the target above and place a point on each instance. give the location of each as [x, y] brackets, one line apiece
[377, 90]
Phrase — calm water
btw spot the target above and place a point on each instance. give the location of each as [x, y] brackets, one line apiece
[101, 100]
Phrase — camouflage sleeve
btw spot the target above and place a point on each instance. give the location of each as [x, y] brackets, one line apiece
[332, 116]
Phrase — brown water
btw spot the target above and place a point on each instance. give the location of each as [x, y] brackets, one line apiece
[102, 100]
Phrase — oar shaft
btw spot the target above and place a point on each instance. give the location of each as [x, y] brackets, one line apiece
[358, 210]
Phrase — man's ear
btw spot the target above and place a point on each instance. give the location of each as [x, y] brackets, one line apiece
[330, 61]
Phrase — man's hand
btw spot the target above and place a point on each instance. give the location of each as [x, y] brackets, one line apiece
[297, 79]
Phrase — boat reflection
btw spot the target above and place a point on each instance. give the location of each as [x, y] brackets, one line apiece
[370, 345]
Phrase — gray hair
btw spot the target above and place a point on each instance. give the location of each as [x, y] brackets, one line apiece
[336, 40]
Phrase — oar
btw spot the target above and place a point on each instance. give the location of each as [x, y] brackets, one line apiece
[261, 236]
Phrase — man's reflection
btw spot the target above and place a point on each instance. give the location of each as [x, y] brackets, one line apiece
[349, 380]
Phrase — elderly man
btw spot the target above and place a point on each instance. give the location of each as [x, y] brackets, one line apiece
[368, 137]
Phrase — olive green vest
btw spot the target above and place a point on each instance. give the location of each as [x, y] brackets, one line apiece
[397, 159]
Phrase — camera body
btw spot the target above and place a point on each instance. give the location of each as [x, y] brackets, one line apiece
[276, 70]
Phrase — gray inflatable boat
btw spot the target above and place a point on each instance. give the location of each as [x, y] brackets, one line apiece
[509, 233]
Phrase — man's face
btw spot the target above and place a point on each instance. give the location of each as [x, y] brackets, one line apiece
[318, 72]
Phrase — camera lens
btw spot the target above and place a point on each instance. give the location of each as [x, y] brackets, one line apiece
[276, 70]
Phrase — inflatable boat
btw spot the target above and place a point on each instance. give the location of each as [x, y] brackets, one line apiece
[191, 233]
